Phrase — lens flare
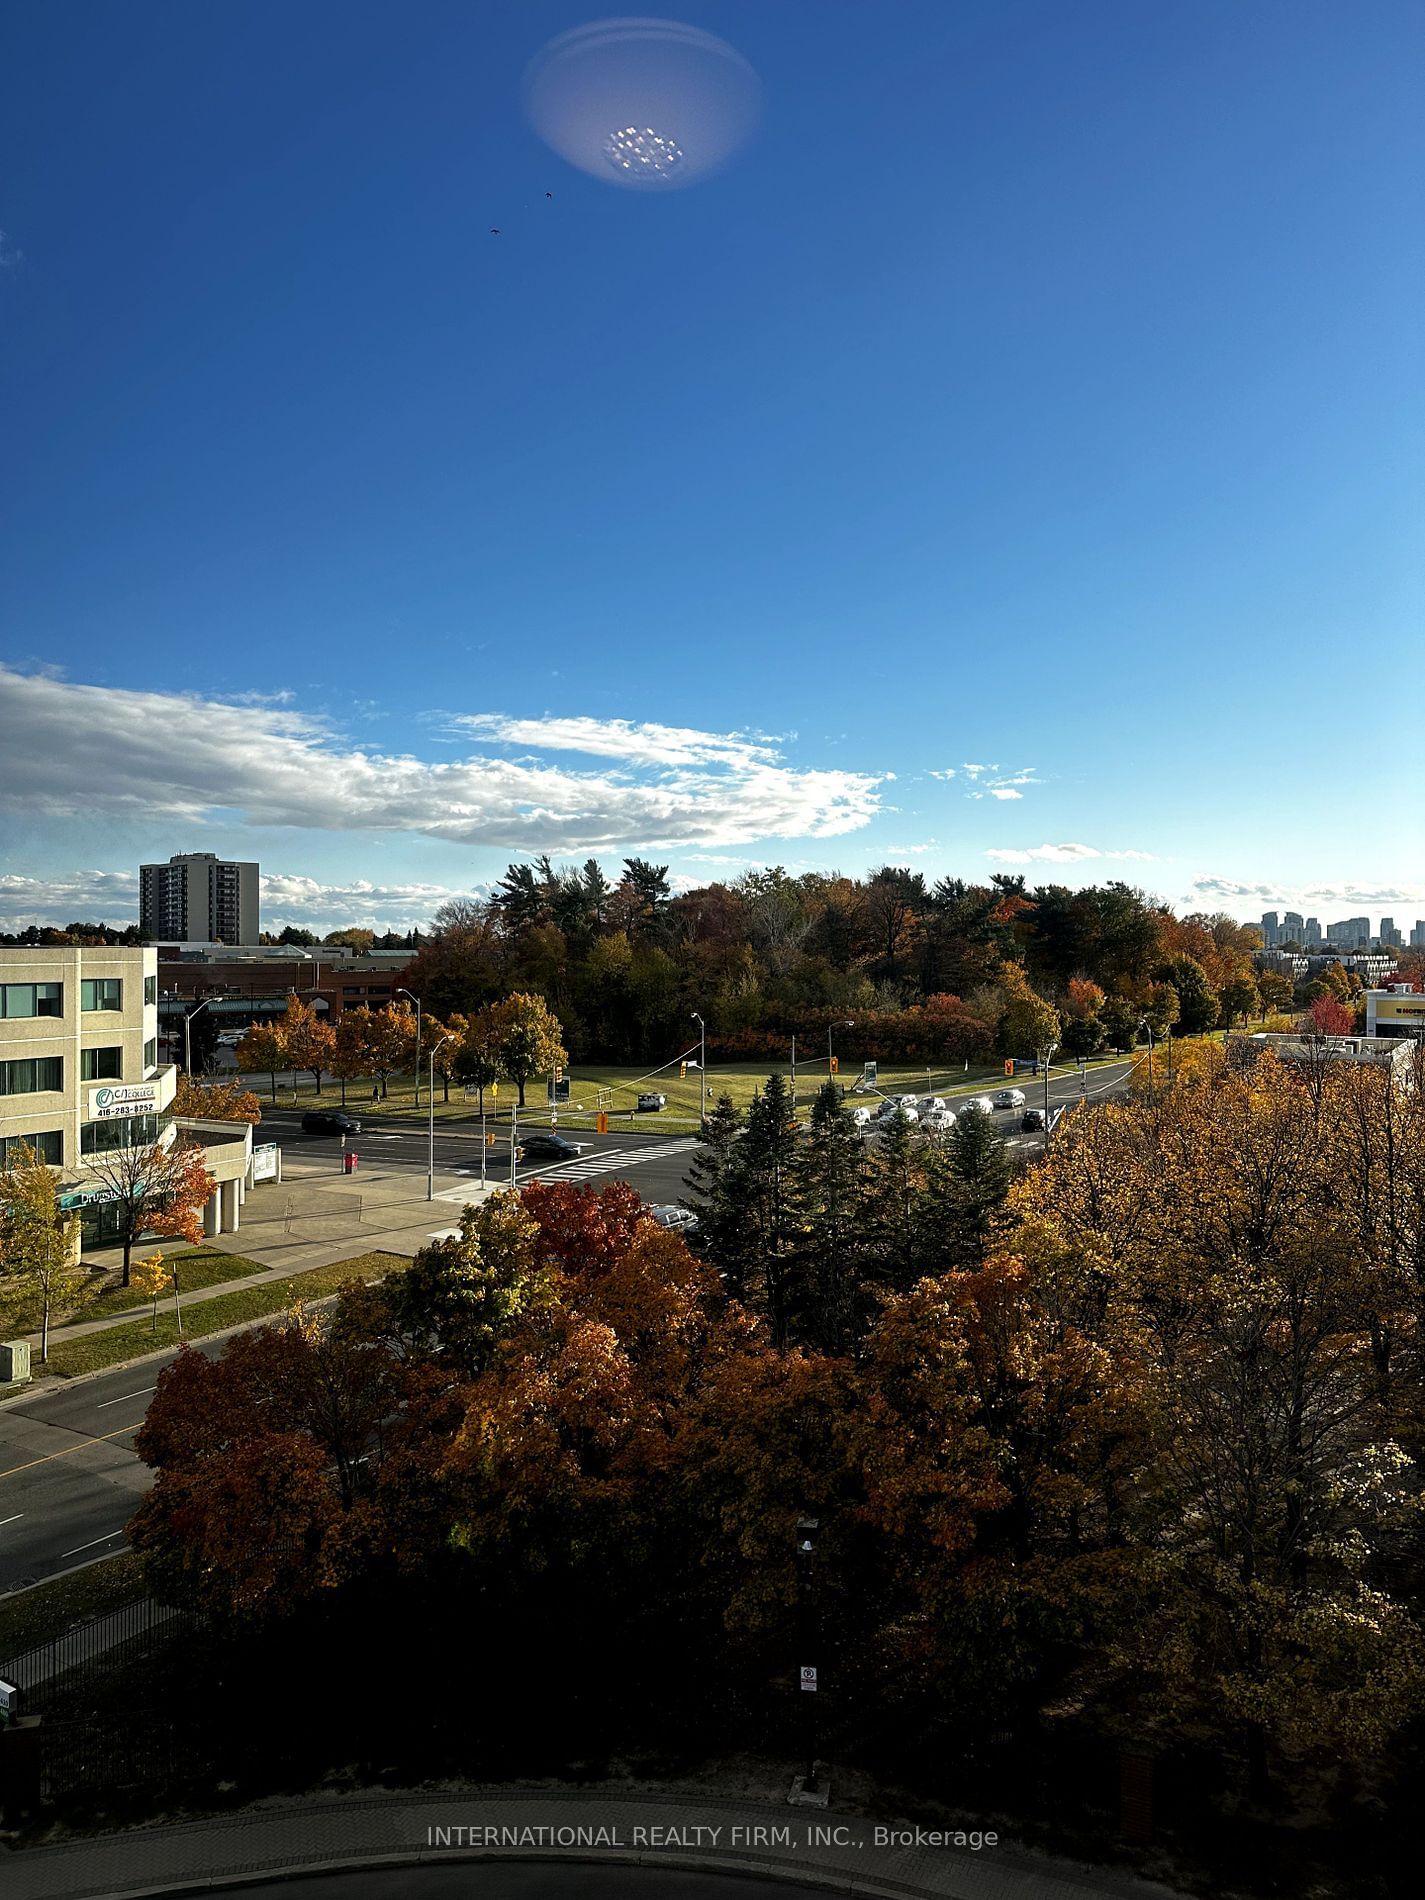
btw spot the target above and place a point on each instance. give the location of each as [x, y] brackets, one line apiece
[650, 105]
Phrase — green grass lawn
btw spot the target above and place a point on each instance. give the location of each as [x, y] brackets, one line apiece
[198, 1267]
[600, 1085]
[93, 1351]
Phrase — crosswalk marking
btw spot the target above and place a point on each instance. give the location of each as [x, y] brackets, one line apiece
[609, 1161]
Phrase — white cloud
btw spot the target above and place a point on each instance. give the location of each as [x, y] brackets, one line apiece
[1066, 854]
[949, 772]
[177, 756]
[287, 898]
[1004, 791]
[990, 782]
[75, 897]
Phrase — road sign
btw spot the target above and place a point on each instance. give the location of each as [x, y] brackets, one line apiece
[809, 1679]
[495, 1090]
[835, 1065]
[682, 1070]
[490, 1141]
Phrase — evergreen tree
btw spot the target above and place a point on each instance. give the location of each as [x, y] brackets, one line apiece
[724, 1227]
[768, 1150]
[897, 1185]
[831, 1210]
[969, 1178]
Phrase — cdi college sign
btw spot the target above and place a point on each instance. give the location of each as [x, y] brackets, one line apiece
[117, 1099]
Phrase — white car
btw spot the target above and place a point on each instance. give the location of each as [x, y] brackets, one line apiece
[860, 1117]
[897, 1105]
[1009, 1098]
[929, 1104]
[937, 1120]
[981, 1103]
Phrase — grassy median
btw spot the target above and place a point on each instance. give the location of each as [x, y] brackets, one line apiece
[93, 1351]
[35, 1616]
[600, 1086]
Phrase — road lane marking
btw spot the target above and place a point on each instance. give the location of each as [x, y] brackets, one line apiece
[127, 1396]
[91, 1438]
[92, 1542]
[11, 1520]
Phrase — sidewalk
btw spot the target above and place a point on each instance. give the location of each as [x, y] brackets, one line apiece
[831, 1850]
[315, 1217]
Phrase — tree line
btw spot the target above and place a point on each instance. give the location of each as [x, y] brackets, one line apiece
[944, 972]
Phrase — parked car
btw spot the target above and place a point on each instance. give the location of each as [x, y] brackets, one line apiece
[896, 1105]
[651, 1102]
[928, 1104]
[1009, 1098]
[677, 1219]
[551, 1147]
[860, 1117]
[329, 1121]
[1031, 1120]
[230, 1038]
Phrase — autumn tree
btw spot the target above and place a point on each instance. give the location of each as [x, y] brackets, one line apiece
[154, 1190]
[215, 1101]
[1199, 1005]
[263, 1048]
[37, 1238]
[460, 1296]
[351, 1056]
[476, 1059]
[1029, 1025]
[527, 1038]
[1275, 990]
[308, 1040]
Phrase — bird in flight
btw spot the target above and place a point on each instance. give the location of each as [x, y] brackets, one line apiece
[494, 230]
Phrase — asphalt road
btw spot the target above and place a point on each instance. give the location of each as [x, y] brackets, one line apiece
[69, 1480]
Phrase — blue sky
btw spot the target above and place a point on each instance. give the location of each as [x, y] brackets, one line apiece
[1037, 390]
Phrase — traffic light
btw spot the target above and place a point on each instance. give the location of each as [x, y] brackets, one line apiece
[836, 1065]
[1009, 1065]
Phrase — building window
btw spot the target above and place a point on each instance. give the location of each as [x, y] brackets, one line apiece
[48, 1147]
[35, 1075]
[101, 992]
[150, 1054]
[31, 999]
[150, 991]
[128, 1131]
[101, 1065]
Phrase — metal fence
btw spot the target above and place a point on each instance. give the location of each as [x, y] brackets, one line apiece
[104, 1642]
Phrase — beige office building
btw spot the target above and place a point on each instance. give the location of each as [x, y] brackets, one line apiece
[80, 1076]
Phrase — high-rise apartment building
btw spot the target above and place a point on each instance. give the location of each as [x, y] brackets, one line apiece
[1390, 937]
[1417, 935]
[1271, 933]
[1311, 933]
[1292, 928]
[198, 898]
[1352, 933]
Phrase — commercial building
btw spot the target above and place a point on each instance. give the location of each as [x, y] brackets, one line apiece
[80, 1076]
[1396, 1054]
[1352, 933]
[1271, 930]
[250, 986]
[198, 898]
[1417, 935]
[1395, 1012]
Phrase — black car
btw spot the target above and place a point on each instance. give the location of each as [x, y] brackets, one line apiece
[330, 1121]
[551, 1148]
[1032, 1119]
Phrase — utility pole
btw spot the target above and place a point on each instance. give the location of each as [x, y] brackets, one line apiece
[417, 1001]
[430, 1106]
[794, 1074]
[514, 1143]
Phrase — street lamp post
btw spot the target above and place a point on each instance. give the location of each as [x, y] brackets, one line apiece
[702, 1069]
[1048, 1059]
[188, 1016]
[430, 1104]
[794, 1075]
[417, 1001]
[1145, 1024]
[808, 1675]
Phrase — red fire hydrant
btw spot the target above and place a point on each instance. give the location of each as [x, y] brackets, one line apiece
[350, 1163]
